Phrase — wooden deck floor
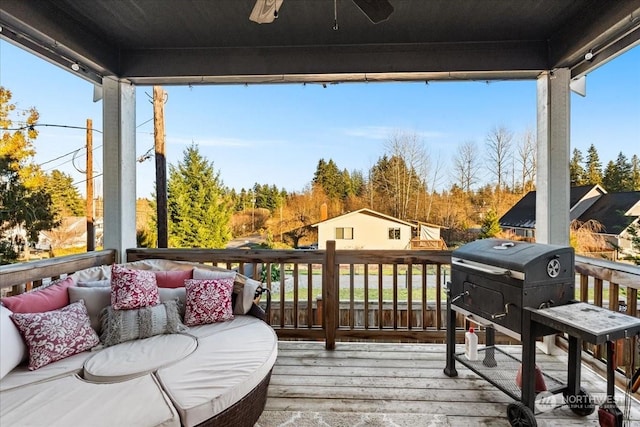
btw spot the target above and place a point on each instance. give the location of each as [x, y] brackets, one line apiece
[376, 384]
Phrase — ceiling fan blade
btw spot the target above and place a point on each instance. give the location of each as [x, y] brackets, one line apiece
[265, 11]
[376, 10]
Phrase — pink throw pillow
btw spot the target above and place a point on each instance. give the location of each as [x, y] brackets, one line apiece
[133, 288]
[208, 301]
[57, 334]
[40, 300]
[173, 278]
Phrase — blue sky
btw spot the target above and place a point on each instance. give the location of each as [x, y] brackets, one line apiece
[275, 134]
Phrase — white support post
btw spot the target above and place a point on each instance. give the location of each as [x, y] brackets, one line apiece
[552, 176]
[119, 159]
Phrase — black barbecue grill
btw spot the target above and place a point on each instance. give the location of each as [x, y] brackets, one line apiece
[526, 290]
[495, 279]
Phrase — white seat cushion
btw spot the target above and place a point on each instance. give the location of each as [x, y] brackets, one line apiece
[21, 376]
[71, 401]
[239, 322]
[223, 369]
[139, 357]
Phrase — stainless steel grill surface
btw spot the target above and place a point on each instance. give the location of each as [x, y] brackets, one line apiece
[495, 279]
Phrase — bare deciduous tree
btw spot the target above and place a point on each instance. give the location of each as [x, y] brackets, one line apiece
[407, 168]
[431, 192]
[499, 153]
[466, 166]
[527, 160]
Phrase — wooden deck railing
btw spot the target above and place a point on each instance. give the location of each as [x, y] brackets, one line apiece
[394, 295]
[613, 285]
[22, 277]
[334, 294]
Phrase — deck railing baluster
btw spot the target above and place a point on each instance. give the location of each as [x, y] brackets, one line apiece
[323, 312]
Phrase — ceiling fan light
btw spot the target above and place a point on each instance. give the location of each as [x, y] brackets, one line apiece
[265, 11]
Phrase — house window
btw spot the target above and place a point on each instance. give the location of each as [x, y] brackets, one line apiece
[394, 233]
[345, 233]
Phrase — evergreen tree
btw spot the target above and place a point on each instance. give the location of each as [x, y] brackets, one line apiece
[358, 183]
[618, 175]
[199, 206]
[23, 200]
[611, 178]
[328, 177]
[624, 171]
[576, 171]
[64, 195]
[593, 167]
[490, 225]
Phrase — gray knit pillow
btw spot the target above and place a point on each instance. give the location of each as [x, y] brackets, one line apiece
[126, 325]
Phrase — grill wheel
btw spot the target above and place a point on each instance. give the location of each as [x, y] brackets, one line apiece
[520, 415]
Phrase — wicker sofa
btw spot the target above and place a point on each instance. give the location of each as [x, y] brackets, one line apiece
[209, 374]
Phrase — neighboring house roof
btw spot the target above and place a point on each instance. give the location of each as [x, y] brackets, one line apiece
[365, 211]
[522, 214]
[429, 224]
[579, 192]
[612, 211]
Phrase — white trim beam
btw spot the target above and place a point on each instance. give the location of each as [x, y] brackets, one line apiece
[119, 157]
[552, 181]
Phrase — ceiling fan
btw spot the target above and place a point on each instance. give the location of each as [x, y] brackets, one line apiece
[266, 11]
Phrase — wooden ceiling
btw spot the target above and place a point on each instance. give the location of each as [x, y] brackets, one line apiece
[208, 42]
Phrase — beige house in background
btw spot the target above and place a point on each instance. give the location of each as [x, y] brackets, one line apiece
[365, 229]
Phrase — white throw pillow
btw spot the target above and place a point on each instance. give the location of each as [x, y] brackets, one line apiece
[202, 274]
[248, 295]
[95, 299]
[12, 347]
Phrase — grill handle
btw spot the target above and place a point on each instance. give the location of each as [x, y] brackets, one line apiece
[506, 311]
[481, 268]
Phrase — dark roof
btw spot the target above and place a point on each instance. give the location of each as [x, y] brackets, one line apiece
[523, 213]
[577, 193]
[202, 42]
[609, 211]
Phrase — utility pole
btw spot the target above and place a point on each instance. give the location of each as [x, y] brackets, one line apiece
[161, 166]
[91, 231]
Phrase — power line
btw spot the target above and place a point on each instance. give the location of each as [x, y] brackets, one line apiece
[31, 127]
[65, 155]
[144, 123]
[144, 157]
[85, 180]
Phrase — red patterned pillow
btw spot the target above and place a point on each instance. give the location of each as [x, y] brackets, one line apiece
[133, 288]
[208, 301]
[56, 334]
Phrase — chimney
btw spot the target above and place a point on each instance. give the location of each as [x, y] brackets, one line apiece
[323, 212]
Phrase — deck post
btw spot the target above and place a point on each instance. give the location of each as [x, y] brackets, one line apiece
[552, 176]
[119, 158]
[331, 296]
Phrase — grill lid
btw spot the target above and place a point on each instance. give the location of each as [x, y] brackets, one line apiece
[499, 256]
